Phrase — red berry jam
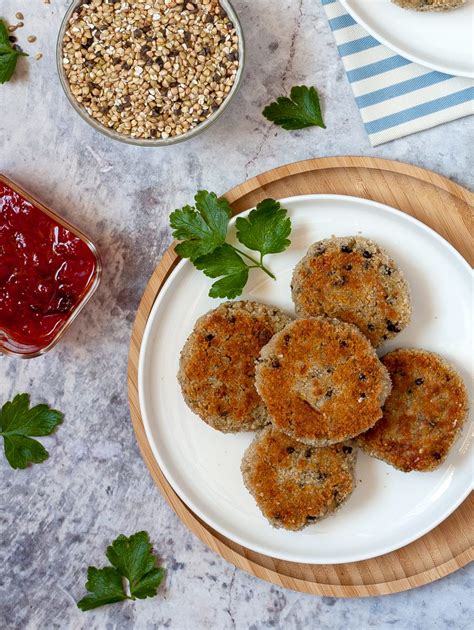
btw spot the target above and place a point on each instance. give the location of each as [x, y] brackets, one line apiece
[46, 269]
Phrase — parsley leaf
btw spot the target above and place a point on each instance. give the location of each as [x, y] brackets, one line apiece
[299, 111]
[106, 588]
[202, 228]
[203, 231]
[224, 261]
[132, 558]
[17, 422]
[8, 55]
[266, 228]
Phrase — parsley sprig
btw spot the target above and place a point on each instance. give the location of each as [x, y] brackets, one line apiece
[300, 110]
[18, 423]
[133, 571]
[202, 230]
[8, 55]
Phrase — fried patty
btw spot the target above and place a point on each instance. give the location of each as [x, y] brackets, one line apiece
[293, 484]
[353, 279]
[423, 415]
[217, 364]
[429, 5]
[321, 381]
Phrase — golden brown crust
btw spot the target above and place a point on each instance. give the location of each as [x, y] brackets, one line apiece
[353, 279]
[321, 381]
[423, 414]
[217, 364]
[430, 5]
[294, 484]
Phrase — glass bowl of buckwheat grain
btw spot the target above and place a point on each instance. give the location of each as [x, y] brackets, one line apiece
[150, 72]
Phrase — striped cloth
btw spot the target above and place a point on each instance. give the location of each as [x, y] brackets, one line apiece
[396, 97]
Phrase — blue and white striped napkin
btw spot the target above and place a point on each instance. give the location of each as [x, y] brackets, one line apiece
[396, 97]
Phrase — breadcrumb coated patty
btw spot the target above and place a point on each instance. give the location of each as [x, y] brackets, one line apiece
[294, 484]
[429, 5]
[217, 364]
[423, 415]
[321, 381]
[353, 279]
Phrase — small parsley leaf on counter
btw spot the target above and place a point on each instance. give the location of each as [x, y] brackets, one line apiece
[105, 586]
[133, 560]
[19, 423]
[203, 232]
[299, 111]
[8, 55]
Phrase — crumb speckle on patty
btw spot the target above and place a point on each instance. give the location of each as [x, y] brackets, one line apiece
[293, 484]
[423, 415]
[321, 381]
[353, 279]
[429, 5]
[217, 364]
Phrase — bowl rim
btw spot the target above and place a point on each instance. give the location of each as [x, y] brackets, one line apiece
[149, 142]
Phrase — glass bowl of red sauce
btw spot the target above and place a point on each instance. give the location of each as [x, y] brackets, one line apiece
[48, 272]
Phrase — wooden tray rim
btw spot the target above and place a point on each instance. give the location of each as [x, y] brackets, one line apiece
[352, 161]
[203, 531]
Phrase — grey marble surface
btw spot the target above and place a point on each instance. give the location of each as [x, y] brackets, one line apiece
[58, 517]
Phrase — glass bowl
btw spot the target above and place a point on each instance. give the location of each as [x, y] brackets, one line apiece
[152, 142]
[10, 345]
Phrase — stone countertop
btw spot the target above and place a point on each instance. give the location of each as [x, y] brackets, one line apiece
[58, 517]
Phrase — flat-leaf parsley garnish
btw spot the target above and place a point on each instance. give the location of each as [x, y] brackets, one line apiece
[18, 423]
[202, 230]
[8, 55]
[133, 571]
[300, 110]
[266, 229]
[224, 263]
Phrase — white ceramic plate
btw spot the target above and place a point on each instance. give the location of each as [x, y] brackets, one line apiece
[439, 40]
[388, 508]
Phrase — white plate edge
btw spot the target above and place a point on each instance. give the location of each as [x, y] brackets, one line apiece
[188, 502]
[414, 58]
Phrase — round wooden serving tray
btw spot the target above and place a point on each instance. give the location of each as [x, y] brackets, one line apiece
[439, 203]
